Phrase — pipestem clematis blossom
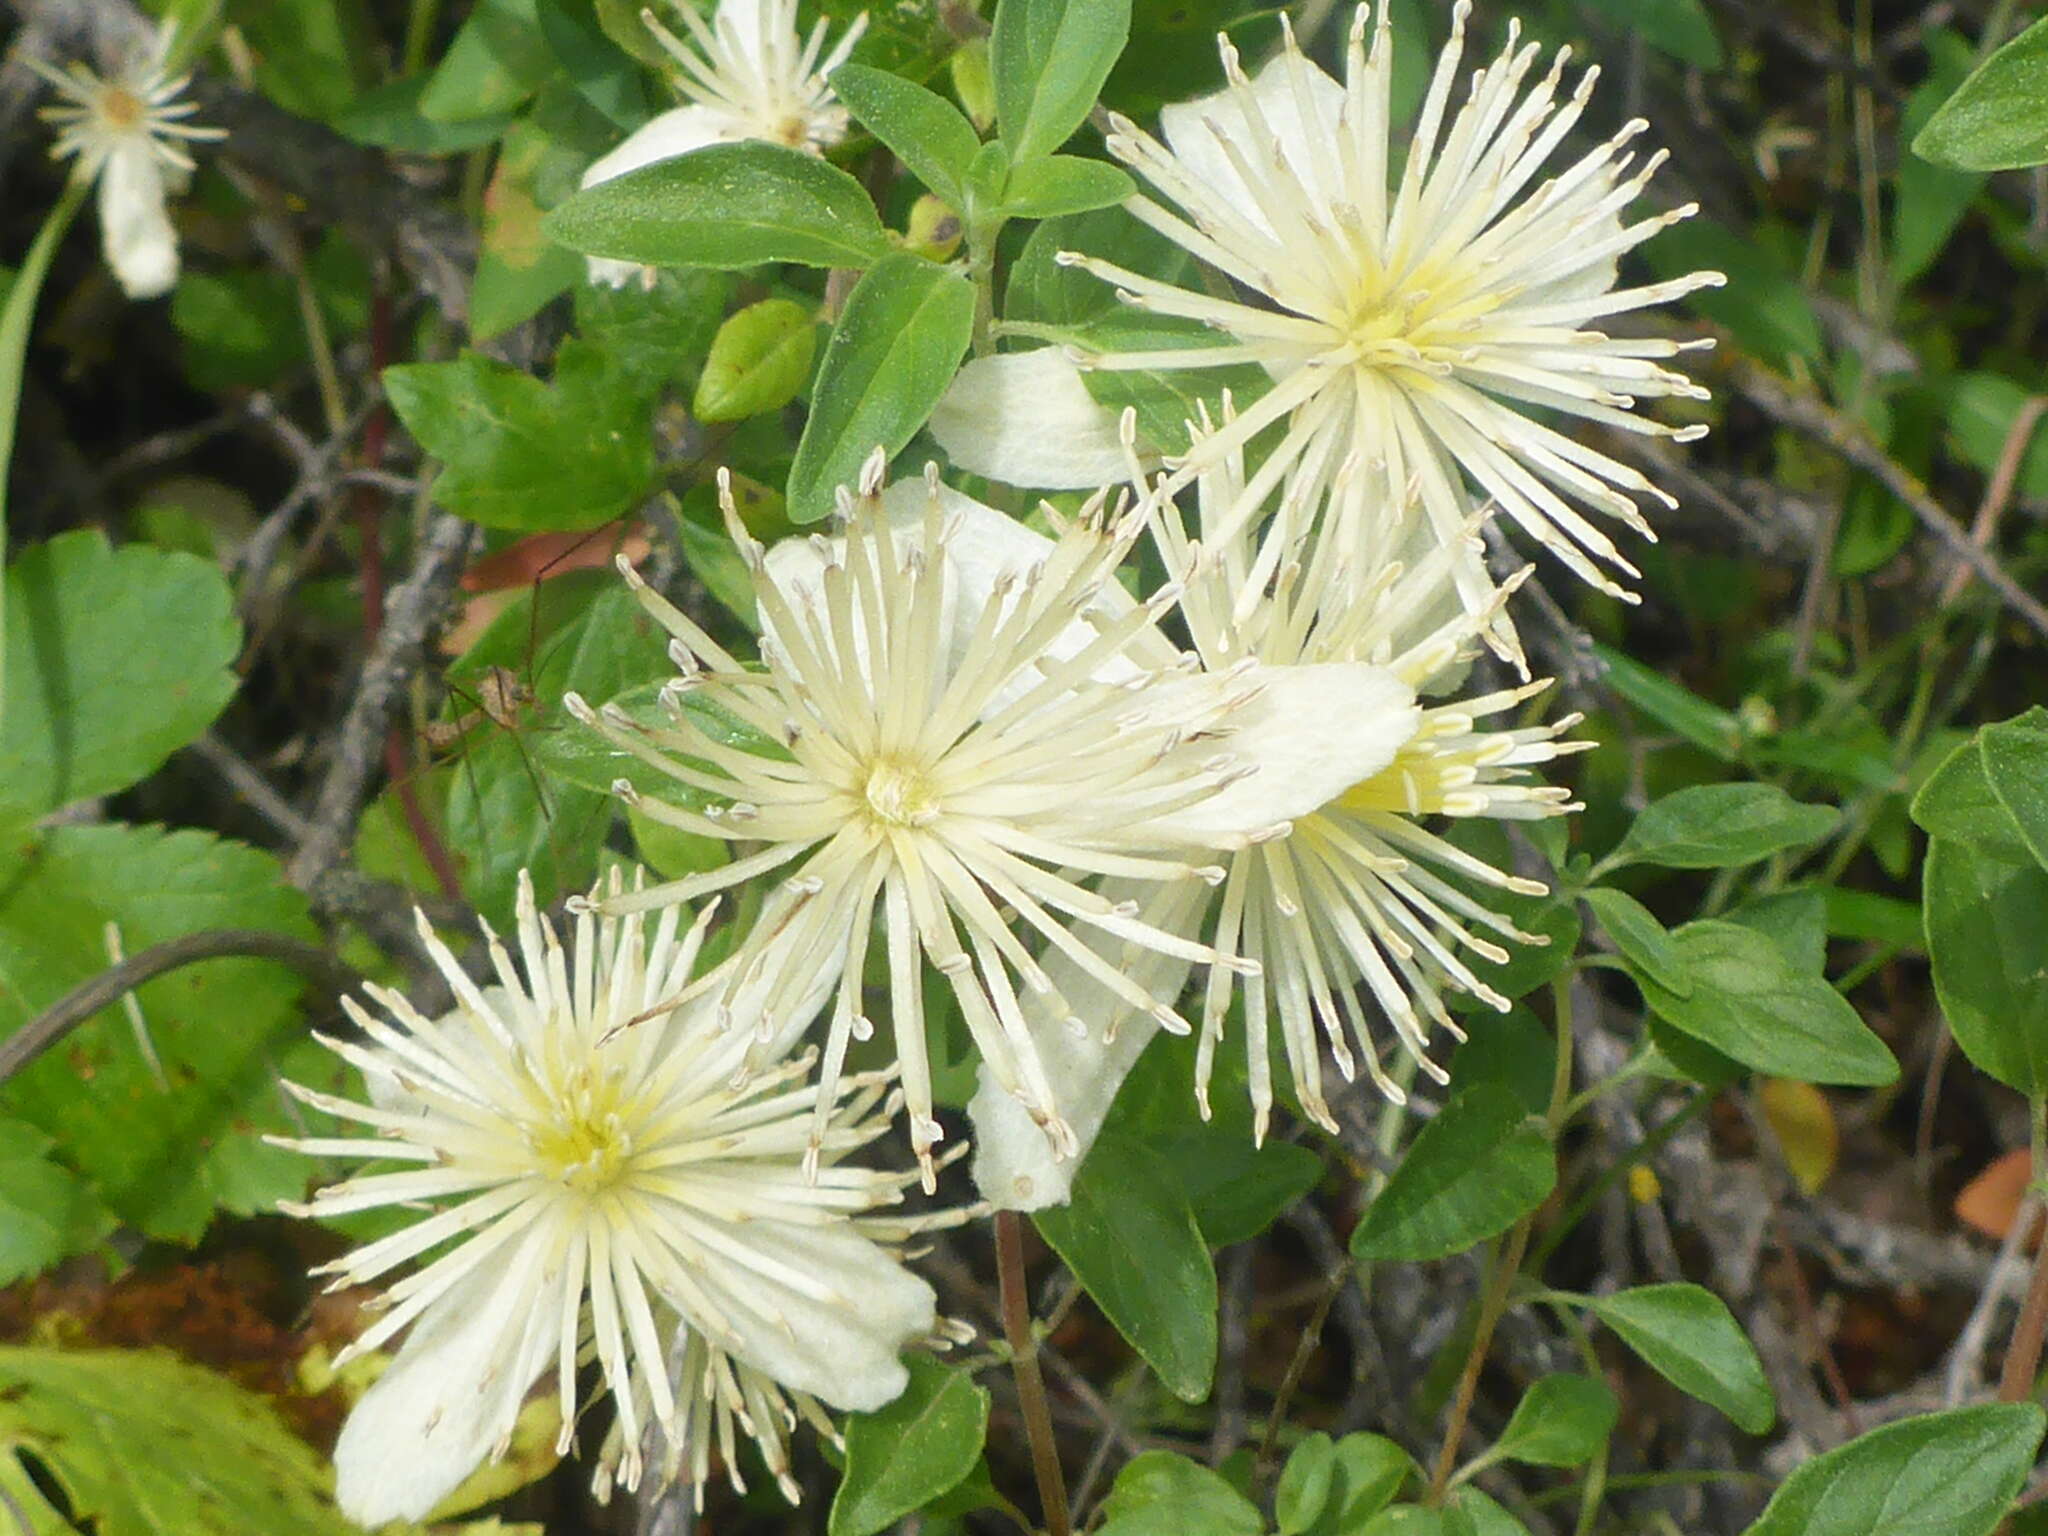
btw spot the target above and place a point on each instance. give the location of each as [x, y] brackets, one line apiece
[745, 74]
[1411, 321]
[957, 716]
[594, 1185]
[1360, 899]
[129, 130]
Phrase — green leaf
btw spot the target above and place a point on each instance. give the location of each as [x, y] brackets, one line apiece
[1643, 941]
[1942, 1474]
[924, 130]
[164, 1121]
[1987, 934]
[311, 55]
[1161, 1494]
[901, 1457]
[498, 58]
[1931, 199]
[1763, 303]
[1680, 28]
[1710, 728]
[1050, 58]
[1130, 1239]
[1306, 1483]
[1332, 1488]
[1472, 1513]
[520, 454]
[759, 359]
[47, 1212]
[518, 269]
[389, 117]
[1979, 411]
[1405, 1520]
[1716, 826]
[1749, 1003]
[1235, 1187]
[1796, 920]
[142, 1444]
[655, 337]
[1561, 1421]
[1957, 803]
[893, 353]
[2015, 754]
[1998, 119]
[726, 205]
[1475, 1170]
[1369, 1472]
[507, 810]
[115, 659]
[1062, 184]
[1688, 1337]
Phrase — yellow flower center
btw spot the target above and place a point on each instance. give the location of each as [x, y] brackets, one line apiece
[899, 794]
[120, 108]
[586, 1146]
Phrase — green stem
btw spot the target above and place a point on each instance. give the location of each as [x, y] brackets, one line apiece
[1507, 1262]
[2023, 1355]
[16, 316]
[981, 271]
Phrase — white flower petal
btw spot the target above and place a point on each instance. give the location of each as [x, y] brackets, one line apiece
[135, 226]
[675, 132]
[983, 548]
[1306, 139]
[451, 1395]
[1309, 733]
[844, 1351]
[1026, 418]
[1015, 1166]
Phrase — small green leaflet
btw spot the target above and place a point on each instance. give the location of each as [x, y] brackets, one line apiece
[901, 1457]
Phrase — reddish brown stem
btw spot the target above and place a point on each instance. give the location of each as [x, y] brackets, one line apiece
[369, 516]
[1016, 1300]
[2023, 1357]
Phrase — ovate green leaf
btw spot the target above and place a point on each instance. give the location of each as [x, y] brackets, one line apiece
[1943, 1474]
[1998, 119]
[1475, 1170]
[1050, 58]
[1561, 1421]
[1161, 1494]
[1686, 1334]
[1130, 1239]
[901, 1457]
[1713, 826]
[893, 353]
[726, 205]
[1748, 1003]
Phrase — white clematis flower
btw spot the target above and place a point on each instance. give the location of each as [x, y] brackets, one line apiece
[1411, 319]
[129, 130]
[593, 1184]
[1355, 896]
[746, 74]
[971, 720]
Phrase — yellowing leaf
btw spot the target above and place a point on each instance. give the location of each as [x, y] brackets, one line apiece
[140, 1443]
[1804, 1122]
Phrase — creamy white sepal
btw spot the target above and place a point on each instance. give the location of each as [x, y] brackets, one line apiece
[841, 1346]
[984, 548]
[1307, 733]
[1304, 127]
[1026, 418]
[1015, 1166]
[675, 132]
[452, 1394]
[135, 225]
